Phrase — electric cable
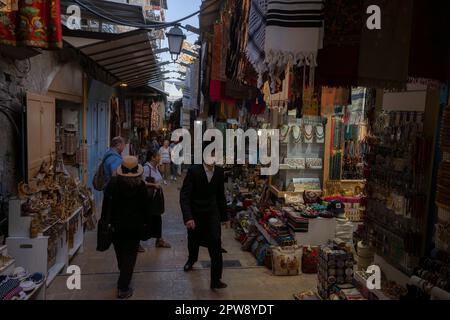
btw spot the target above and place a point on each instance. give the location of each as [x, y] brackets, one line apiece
[155, 25]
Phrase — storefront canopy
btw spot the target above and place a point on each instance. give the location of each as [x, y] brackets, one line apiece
[129, 57]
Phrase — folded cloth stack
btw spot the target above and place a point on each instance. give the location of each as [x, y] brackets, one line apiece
[296, 222]
[9, 288]
[279, 231]
[344, 230]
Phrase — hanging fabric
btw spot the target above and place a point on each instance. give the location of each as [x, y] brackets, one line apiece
[36, 23]
[256, 37]
[384, 53]
[294, 33]
[338, 60]
[430, 46]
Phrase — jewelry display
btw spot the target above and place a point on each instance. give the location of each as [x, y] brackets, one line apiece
[396, 197]
[296, 133]
[308, 135]
[320, 133]
[296, 163]
[314, 163]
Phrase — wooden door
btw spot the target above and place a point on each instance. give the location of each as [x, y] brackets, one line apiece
[40, 131]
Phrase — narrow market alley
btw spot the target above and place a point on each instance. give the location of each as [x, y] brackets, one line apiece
[159, 272]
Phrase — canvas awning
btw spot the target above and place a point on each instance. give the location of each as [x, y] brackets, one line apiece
[129, 57]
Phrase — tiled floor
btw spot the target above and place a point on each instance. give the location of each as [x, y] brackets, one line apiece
[159, 272]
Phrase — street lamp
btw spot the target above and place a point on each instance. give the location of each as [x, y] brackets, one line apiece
[175, 36]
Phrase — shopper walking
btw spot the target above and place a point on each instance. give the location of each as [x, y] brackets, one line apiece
[113, 158]
[126, 207]
[153, 178]
[173, 166]
[202, 200]
[164, 153]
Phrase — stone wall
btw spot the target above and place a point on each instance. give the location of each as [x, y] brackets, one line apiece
[16, 78]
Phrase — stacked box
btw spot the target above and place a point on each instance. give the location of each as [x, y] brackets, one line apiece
[335, 269]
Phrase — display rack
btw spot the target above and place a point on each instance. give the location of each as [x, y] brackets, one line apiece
[297, 143]
[33, 253]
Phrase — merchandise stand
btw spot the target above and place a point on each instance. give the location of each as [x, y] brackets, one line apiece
[38, 293]
[33, 253]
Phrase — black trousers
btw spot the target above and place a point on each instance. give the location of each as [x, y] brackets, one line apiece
[126, 254]
[215, 254]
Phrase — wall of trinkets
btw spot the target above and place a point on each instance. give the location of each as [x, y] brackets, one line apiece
[396, 172]
[47, 219]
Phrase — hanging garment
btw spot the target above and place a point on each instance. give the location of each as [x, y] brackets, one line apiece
[384, 53]
[36, 23]
[155, 117]
[217, 52]
[338, 60]
[294, 33]
[256, 37]
[332, 97]
[430, 45]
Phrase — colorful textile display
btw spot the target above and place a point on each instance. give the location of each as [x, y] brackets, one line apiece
[332, 97]
[36, 23]
[155, 117]
[294, 33]
[384, 53]
[256, 37]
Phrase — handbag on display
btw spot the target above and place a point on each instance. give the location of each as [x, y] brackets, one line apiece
[310, 259]
[286, 261]
[311, 197]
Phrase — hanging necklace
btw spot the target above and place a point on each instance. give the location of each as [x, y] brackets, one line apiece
[296, 134]
[284, 131]
[320, 135]
[308, 133]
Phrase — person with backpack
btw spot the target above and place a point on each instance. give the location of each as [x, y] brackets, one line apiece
[110, 163]
[153, 178]
[113, 157]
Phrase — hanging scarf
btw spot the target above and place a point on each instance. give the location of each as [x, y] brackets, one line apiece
[256, 36]
[384, 54]
[293, 34]
[36, 23]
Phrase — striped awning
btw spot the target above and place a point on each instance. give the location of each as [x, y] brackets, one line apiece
[129, 57]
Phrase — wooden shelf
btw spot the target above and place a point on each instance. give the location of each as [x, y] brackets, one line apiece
[282, 194]
[74, 214]
[6, 266]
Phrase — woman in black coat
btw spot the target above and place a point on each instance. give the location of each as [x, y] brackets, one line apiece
[126, 203]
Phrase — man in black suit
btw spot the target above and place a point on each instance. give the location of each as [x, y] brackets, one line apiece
[203, 204]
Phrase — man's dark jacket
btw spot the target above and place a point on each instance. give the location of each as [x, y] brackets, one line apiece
[205, 203]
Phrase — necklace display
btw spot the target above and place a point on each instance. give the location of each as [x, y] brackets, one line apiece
[308, 136]
[296, 134]
[320, 134]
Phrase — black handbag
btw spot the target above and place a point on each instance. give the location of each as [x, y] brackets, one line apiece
[104, 228]
[156, 198]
